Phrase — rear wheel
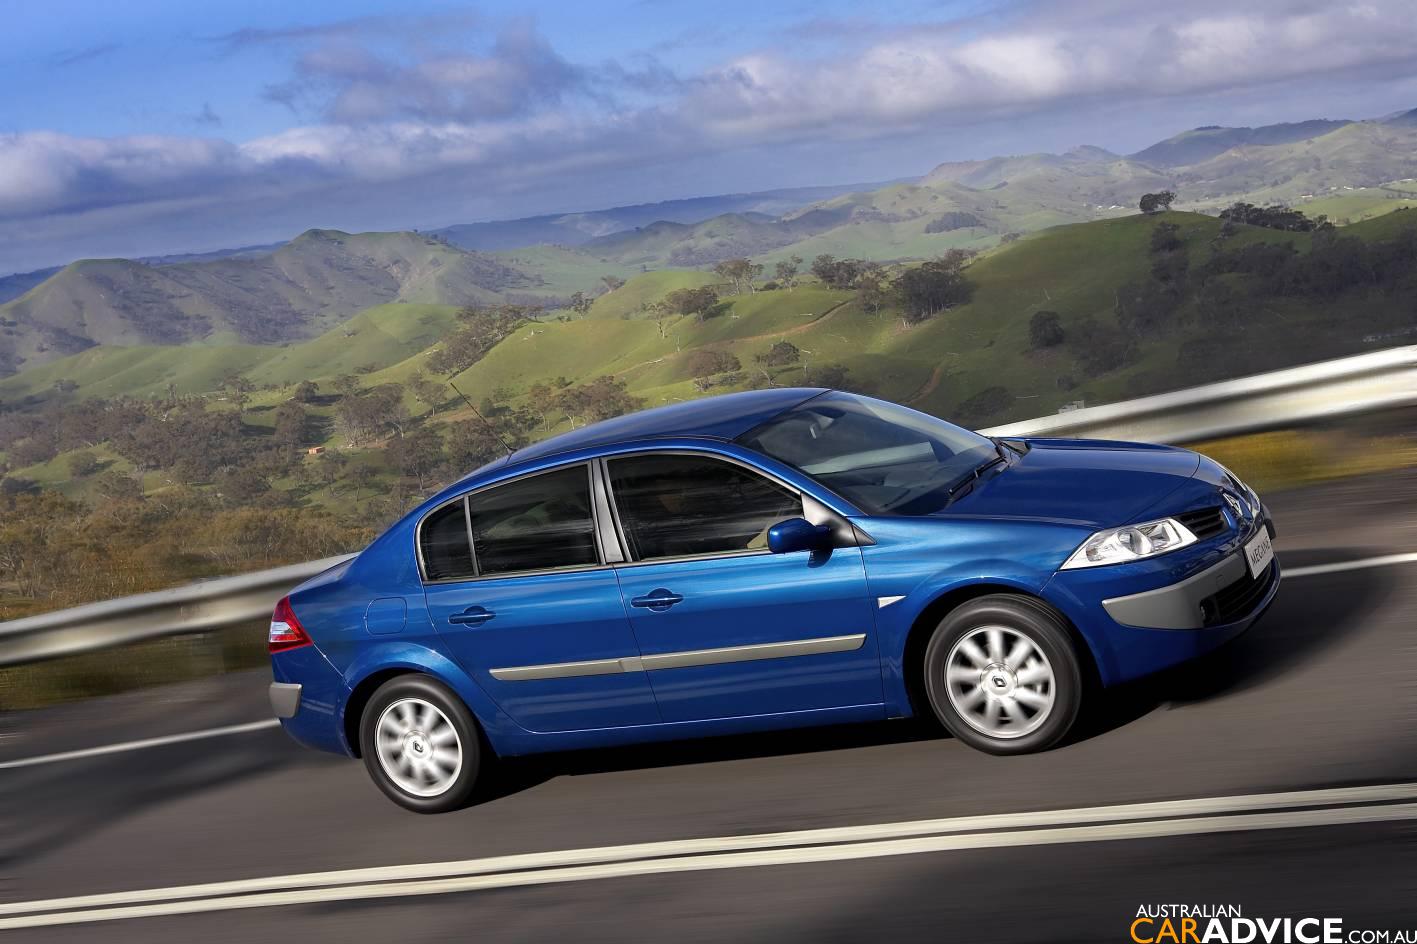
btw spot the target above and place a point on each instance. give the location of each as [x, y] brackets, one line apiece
[1002, 675]
[420, 744]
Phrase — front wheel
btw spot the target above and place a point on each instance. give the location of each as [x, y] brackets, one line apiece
[1002, 675]
[420, 744]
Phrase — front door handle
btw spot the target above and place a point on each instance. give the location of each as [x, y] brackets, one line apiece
[472, 616]
[658, 600]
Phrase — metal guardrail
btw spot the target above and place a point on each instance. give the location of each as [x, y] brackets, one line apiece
[210, 604]
[1366, 383]
[1294, 397]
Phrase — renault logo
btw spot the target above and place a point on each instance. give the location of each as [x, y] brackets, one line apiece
[1234, 504]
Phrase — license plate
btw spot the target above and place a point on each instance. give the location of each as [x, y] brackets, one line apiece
[1258, 553]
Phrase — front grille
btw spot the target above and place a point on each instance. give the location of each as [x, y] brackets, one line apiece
[1203, 522]
[1237, 600]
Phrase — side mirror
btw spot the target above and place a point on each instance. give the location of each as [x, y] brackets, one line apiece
[798, 534]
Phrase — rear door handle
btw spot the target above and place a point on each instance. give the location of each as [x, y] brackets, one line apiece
[658, 600]
[472, 616]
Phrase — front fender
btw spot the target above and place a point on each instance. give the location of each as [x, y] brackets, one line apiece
[917, 562]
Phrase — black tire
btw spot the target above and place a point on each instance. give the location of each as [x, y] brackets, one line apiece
[1019, 616]
[410, 690]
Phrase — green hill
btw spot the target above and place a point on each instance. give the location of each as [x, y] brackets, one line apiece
[1201, 144]
[378, 337]
[307, 286]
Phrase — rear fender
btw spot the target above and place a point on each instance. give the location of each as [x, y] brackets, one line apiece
[412, 657]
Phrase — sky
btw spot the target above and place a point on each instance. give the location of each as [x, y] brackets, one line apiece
[159, 126]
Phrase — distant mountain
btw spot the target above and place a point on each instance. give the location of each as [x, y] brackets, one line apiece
[1199, 144]
[1406, 119]
[306, 286]
[1360, 154]
[13, 286]
[575, 229]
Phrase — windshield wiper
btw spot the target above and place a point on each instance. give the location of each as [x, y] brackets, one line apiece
[966, 482]
[1019, 446]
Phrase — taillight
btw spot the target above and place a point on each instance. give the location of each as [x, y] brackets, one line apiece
[286, 631]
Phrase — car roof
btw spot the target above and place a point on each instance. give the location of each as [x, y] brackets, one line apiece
[723, 417]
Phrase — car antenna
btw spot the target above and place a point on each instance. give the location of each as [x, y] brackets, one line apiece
[478, 413]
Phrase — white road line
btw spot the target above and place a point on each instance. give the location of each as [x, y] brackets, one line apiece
[796, 855]
[1335, 796]
[1387, 560]
[139, 745]
[1314, 570]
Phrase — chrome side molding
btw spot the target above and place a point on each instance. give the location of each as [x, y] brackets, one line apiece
[682, 660]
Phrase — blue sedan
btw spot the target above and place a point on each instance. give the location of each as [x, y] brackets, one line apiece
[764, 560]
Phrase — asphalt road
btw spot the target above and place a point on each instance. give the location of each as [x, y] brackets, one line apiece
[1323, 693]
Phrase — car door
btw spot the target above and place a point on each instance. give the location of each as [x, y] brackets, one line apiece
[518, 589]
[725, 627]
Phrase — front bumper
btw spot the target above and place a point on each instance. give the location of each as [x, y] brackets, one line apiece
[1141, 618]
[1182, 605]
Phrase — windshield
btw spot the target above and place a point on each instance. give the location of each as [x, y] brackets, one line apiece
[884, 458]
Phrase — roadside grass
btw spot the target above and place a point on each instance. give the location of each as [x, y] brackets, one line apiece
[1292, 458]
[125, 668]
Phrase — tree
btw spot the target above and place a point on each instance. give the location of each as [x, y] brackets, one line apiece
[705, 362]
[699, 302]
[1271, 217]
[953, 220]
[241, 484]
[786, 271]
[836, 273]
[780, 354]
[418, 455]
[472, 443]
[541, 398]
[238, 389]
[741, 272]
[612, 282]
[307, 391]
[871, 289]
[428, 392]
[83, 464]
[600, 399]
[580, 303]
[1164, 238]
[832, 376]
[983, 405]
[479, 331]
[346, 384]
[934, 286]
[1145, 309]
[290, 427]
[1156, 202]
[1045, 329]
[1100, 347]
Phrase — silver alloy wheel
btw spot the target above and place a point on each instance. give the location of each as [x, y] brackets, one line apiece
[418, 747]
[1000, 682]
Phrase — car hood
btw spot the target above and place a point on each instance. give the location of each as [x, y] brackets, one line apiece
[1096, 483]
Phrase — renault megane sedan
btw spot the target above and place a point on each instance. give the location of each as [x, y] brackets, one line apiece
[764, 560]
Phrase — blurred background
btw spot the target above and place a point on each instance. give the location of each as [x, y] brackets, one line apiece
[269, 277]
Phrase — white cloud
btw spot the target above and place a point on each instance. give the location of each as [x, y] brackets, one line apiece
[516, 111]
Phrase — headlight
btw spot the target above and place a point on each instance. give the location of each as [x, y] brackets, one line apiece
[1133, 542]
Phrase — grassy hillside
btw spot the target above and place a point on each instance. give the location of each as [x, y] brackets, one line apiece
[1201, 144]
[1360, 154]
[306, 286]
[378, 337]
[1074, 270]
